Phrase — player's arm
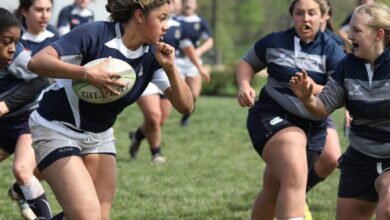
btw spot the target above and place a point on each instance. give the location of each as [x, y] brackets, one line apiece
[206, 45]
[190, 52]
[48, 63]
[246, 94]
[179, 94]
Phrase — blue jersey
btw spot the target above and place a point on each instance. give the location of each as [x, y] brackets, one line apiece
[366, 94]
[34, 43]
[195, 27]
[335, 37]
[86, 43]
[284, 55]
[73, 16]
[175, 36]
[14, 77]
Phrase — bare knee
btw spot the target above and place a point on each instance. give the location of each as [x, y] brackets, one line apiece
[153, 122]
[22, 173]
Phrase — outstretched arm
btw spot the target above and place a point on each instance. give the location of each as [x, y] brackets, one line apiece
[303, 88]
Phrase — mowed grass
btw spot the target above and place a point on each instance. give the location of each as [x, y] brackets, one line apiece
[212, 171]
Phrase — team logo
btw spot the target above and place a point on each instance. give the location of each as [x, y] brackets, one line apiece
[356, 90]
[141, 71]
[276, 120]
[177, 34]
[197, 26]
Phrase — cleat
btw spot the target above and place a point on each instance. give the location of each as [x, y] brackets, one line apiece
[158, 159]
[25, 210]
[135, 144]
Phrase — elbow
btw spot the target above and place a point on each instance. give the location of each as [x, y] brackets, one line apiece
[32, 65]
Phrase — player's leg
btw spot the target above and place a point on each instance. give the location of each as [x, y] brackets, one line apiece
[285, 155]
[23, 170]
[382, 186]
[194, 82]
[102, 168]
[150, 107]
[166, 107]
[73, 187]
[327, 160]
[349, 208]
[3, 154]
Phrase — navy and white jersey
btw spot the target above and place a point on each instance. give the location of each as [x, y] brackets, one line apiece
[175, 36]
[86, 43]
[195, 27]
[345, 24]
[72, 16]
[366, 94]
[14, 77]
[35, 43]
[284, 54]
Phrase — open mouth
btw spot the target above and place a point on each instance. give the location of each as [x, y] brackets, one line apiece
[305, 27]
[355, 45]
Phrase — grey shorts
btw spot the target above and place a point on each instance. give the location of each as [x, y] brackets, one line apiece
[53, 140]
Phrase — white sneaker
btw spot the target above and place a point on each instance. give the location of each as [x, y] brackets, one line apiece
[158, 159]
[25, 210]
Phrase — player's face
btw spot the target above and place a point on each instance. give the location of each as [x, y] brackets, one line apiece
[307, 19]
[156, 24]
[189, 7]
[362, 36]
[37, 16]
[82, 3]
[8, 41]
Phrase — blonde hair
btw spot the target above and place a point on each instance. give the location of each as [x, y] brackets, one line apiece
[379, 18]
[323, 6]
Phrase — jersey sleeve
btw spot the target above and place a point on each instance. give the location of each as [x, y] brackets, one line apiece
[334, 54]
[18, 67]
[206, 30]
[256, 56]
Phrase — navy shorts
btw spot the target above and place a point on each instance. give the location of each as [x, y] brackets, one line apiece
[11, 128]
[266, 118]
[358, 173]
[330, 123]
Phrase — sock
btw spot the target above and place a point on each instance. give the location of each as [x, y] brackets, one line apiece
[36, 198]
[185, 117]
[59, 216]
[139, 135]
[17, 189]
[312, 179]
[155, 151]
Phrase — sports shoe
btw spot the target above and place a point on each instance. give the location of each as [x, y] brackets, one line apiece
[134, 147]
[184, 122]
[158, 159]
[25, 210]
[307, 212]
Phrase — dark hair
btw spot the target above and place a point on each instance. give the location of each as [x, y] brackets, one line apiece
[7, 20]
[24, 5]
[122, 10]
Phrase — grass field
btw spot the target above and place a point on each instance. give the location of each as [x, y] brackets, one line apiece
[212, 171]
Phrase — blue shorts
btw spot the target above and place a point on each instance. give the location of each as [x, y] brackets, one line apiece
[330, 123]
[358, 173]
[11, 128]
[266, 118]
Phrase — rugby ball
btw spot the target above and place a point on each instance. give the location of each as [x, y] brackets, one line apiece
[89, 93]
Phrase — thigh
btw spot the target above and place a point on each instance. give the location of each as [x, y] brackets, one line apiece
[195, 84]
[73, 187]
[348, 209]
[332, 150]
[102, 168]
[150, 106]
[166, 107]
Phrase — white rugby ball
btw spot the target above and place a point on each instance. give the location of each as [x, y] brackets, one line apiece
[89, 93]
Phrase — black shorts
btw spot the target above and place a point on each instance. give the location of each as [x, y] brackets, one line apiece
[11, 128]
[358, 173]
[266, 118]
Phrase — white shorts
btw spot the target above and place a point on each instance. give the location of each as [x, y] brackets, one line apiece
[53, 140]
[186, 67]
[152, 89]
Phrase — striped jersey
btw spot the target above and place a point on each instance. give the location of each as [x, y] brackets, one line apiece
[283, 54]
[365, 92]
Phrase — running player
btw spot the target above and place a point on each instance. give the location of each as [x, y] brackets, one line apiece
[73, 139]
[281, 130]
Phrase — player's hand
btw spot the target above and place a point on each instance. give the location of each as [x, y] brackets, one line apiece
[99, 76]
[204, 73]
[246, 96]
[302, 85]
[165, 55]
[3, 108]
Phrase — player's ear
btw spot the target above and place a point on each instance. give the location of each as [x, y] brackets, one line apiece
[139, 16]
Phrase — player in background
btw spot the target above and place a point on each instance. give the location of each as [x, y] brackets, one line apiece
[74, 15]
[361, 79]
[19, 95]
[73, 139]
[283, 133]
[153, 104]
[199, 33]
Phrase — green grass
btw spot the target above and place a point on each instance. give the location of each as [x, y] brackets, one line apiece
[212, 171]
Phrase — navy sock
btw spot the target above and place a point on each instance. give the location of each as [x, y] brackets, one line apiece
[155, 151]
[40, 207]
[59, 216]
[312, 179]
[139, 135]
